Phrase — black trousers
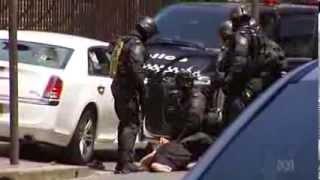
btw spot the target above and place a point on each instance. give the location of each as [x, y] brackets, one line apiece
[127, 109]
[192, 114]
[233, 106]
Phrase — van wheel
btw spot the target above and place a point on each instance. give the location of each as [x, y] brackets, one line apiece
[81, 148]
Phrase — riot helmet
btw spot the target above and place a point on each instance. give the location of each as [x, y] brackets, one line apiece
[146, 27]
[184, 80]
[226, 31]
[253, 24]
[239, 16]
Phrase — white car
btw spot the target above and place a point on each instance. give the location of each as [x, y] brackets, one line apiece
[64, 92]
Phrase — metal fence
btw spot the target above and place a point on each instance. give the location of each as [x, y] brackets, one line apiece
[101, 19]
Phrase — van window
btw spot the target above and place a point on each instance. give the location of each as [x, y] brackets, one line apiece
[296, 35]
[268, 22]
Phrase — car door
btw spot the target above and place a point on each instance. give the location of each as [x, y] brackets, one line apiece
[99, 62]
[274, 139]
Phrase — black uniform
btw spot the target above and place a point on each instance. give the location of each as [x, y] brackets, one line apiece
[192, 113]
[191, 107]
[251, 64]
[127, 89]
[189, 140]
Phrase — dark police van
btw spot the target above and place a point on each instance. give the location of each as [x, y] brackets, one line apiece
[188, 40]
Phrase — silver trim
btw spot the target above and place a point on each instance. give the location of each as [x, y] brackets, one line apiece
[37, 101]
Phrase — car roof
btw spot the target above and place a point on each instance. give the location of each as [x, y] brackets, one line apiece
[57, 39]
[206, 5]
[284, 8]
[307, 72]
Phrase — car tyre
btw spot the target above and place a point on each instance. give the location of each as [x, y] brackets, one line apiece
[81, 148]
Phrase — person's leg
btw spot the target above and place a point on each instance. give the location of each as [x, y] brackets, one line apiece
[146, 161]
[194, 114]
[172, 156]
[237, 106]
[233, 106]
[127, 133]
[158, 167]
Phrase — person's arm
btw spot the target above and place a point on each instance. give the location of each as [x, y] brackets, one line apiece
[137, 58]
[278, 60]
[239, 62]
[147, 160]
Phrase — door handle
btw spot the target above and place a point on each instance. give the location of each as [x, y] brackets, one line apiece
[101, 89]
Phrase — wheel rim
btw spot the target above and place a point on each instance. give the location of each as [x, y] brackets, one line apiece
[87, 139]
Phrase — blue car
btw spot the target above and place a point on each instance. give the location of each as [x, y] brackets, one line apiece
[275, 138]
[191, 29]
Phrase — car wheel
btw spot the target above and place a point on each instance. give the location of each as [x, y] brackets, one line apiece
[81, 148]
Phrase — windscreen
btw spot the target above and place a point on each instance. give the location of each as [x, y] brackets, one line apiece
[193, 24]
[37, 54]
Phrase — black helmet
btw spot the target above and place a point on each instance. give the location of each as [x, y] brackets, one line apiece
[184, 79]
[226, 30]
[240, 15]
[253, 24]
[147, 27]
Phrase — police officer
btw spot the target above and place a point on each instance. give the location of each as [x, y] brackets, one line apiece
[247, 69]
[226, 34]
[214, 93]
[240, 17]
[128, 91]
[192, 106]
[188, 141]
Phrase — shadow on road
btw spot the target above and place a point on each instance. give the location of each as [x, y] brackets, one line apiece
[47, 153]
[33, 152]
[111, 155]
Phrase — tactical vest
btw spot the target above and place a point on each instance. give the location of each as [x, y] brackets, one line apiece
[118, 56]
[265, 63]
[265, 53]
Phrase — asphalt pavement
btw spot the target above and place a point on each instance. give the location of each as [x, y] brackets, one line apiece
[109, 175]
[42, 164]
[35, 164]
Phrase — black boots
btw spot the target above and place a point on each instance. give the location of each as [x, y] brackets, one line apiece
[95, 164]
[126, 168]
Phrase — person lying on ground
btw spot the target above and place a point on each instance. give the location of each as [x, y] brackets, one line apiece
[176, 155]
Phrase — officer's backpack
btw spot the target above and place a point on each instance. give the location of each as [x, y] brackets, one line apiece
[116, 54]
[267, 55]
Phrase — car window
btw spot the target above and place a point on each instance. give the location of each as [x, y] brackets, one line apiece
[279, 143]
[296, 34]
[268, 22]
[99, 61]
[37, 54]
